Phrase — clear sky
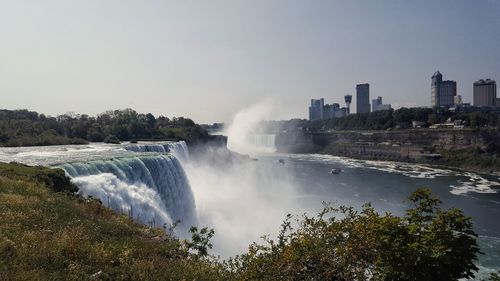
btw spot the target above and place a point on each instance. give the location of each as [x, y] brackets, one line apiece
[208, 59]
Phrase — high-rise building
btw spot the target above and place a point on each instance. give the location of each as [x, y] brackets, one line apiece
[363, 98]
[378, 105]
[316, 109]
[442, 92]
[348, 100]
[485, 93]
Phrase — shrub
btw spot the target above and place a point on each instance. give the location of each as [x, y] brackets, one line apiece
[112, 139]
[54, 179]
[342, 244]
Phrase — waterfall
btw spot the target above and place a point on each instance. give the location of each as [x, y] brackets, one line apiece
[178, 149]
[266, 142]
[150, 147]
[151, 188]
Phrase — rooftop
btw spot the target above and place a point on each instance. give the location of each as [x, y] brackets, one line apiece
[484, 82]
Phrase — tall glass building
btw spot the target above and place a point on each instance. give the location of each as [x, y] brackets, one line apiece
[363, 98]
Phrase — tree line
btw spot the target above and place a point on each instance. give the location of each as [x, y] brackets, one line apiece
[403, 118]
[27, 128]
[390, 119]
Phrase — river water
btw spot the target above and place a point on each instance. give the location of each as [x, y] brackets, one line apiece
[254, 197]
[248, 199]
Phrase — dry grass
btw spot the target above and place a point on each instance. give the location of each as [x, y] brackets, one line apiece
[47, 235]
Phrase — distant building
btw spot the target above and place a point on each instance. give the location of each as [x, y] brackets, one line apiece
[457, 100]
[442, 92]
[348, 100]
[341, 112]
[316, 109]
[377, 105]
[329, 111]
[362, 98]
[485, 93]
[321, 111]
[335, 110]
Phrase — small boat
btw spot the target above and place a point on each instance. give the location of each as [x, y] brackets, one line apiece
[281, 161]
[335, 171]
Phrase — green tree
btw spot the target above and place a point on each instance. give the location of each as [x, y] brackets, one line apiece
[200, 240]
[435, 244]
[478, 119]
[428, 243]
[432, 119]
[112, 139]
[151, 120]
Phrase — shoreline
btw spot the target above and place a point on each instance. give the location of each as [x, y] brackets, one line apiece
[475, 169]
[468, 150]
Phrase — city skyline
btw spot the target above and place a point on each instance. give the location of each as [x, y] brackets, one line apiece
[443, 93]
[207, 60]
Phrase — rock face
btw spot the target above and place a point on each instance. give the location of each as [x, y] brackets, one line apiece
[298, 142]
[390, 145]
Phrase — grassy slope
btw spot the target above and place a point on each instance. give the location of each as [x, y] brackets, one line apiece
[48, 235]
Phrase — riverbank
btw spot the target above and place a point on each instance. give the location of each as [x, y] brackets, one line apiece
[473, 150]
[466, 165]
[465, 159]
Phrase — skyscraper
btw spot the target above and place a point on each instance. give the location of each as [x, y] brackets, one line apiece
[485, 93]
[363, 98]
[316, 109]
[442, 92]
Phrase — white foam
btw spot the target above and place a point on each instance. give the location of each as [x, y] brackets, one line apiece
[473, 182]
[138, 200]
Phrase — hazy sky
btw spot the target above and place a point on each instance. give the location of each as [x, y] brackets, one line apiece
[208, 59]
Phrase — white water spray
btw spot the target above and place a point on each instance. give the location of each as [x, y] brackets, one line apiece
[244, 134]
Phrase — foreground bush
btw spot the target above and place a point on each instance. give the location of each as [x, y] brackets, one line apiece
[428, 243]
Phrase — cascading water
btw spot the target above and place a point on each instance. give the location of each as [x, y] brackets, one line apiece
[178, 149]
[150, 187]
[266, 142]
